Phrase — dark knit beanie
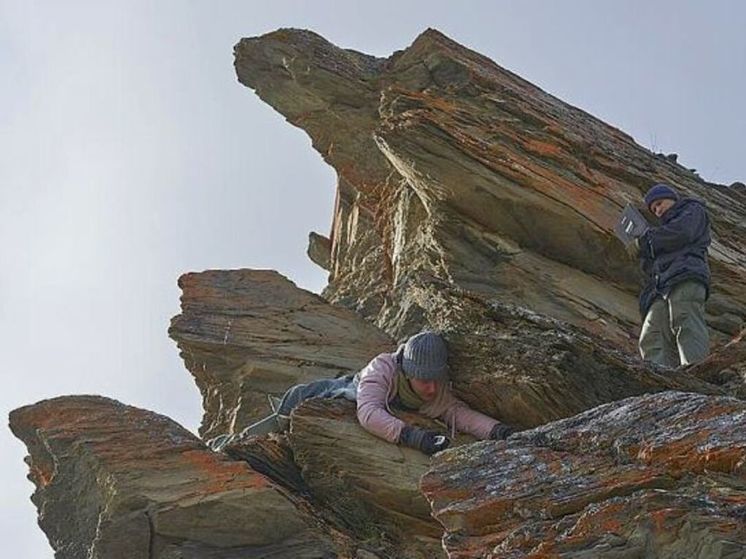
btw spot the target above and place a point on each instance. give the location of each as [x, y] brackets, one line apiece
[425, 357]
[660, 192]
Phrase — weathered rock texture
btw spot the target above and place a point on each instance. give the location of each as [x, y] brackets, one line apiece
[245, 334]
[115, 481]
[471, 202]
[451, 168]
[524, 368]
[358, 484]
[320, 250]
[725, 366]
[521, 367]
[652, 476]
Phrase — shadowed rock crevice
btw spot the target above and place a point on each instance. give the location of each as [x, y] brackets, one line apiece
[246, 334]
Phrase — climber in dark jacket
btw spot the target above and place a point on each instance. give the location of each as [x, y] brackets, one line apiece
[673, 257]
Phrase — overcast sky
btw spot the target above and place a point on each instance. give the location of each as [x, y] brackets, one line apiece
[129, 154]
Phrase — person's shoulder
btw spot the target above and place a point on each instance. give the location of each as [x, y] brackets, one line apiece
[685, 207]
[387, 358]
[692, 204]
[381, 363]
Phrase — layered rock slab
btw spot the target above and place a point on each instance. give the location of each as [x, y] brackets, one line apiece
[726, 366]
[508, 362]
[246, 334]
[114, 481]
[462, 191]
[451, 167]
[360, 485]
[657, 476]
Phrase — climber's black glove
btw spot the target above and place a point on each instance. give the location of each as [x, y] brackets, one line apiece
[426, 441]
[501, 432]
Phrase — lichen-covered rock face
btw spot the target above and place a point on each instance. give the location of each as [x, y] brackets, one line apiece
[114, 481]
[516, 365]
[657, 476]
[451, 168]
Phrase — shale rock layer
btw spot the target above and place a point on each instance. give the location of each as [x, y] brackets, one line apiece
[653, 476]
[453, 168]
[113, 481]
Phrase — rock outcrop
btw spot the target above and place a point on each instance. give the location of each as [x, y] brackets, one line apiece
[470, 202]
[514, 364]
[114, 481]
[359, 485]
[246, 334]
[451, 168]
[652, 476]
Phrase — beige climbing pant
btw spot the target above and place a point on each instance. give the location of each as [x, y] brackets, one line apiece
[674, 331]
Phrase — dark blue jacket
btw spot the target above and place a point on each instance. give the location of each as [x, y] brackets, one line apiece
[675, 251]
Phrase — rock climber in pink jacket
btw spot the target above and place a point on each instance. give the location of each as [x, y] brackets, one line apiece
[414, 378]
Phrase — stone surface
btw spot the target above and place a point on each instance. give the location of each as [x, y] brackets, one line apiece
[523, 368]
[506, 361]
[244, 334]
[657, 476]
[359, 484]
[452, 168]
[114, 481]
[358, 474]
[320, 250]
[726, 366]
[474, 203]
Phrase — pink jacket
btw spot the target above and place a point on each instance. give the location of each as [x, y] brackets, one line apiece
[377, 387]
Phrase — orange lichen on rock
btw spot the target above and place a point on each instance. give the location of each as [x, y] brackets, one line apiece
[122, 465]
[581, 483]
[224, 475]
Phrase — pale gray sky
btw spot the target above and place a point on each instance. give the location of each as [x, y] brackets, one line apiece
[129, 154]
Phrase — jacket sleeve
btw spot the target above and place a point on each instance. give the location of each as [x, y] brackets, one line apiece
[372, 395]
[468, 420]
[681, 231]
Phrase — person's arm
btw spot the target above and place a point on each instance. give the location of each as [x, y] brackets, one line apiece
[372, 394]
[471, 421]
[374, 417]
[681, 231]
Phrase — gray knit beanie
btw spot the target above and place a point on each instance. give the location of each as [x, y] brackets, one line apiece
[425, 357]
